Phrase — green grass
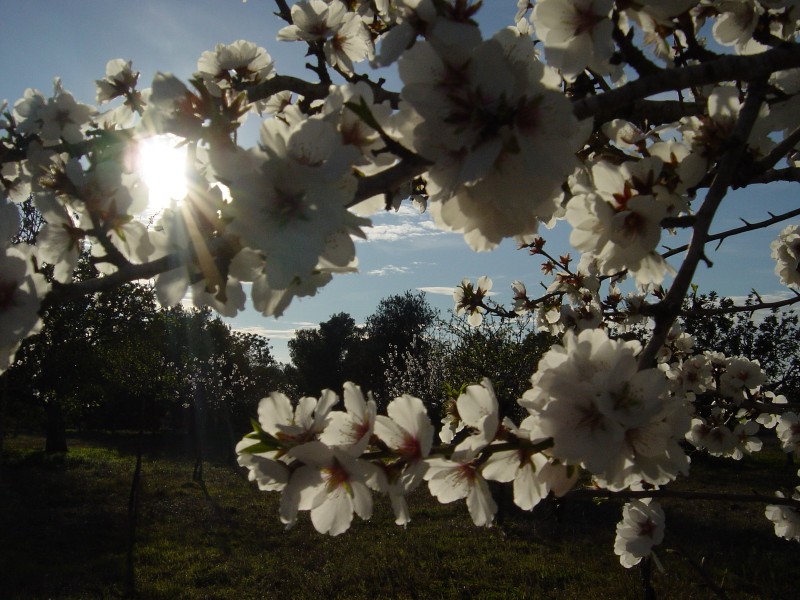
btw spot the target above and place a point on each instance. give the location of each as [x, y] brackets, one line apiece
[64, 534]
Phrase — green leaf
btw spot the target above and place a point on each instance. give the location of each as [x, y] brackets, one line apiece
[259, 448]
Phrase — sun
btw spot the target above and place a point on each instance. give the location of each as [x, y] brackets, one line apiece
[162, 167]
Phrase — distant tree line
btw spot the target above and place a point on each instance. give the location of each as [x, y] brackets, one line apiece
[184, 370]
[150, 368]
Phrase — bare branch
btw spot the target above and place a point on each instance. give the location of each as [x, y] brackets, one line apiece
[312, 91]
[63, 292]
[632, 55]
[651, 112]
[287, 83]
[726, 68]
[667, 310]
[788, 174]
[742, 308]
[283, 11]
[389, 179]
[736, 231]
[778, 152]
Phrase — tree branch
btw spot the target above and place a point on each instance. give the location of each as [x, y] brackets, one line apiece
[788, 174]
[778, 152]
[726, 68]
[669, 308]
[744, 308]
[287, 83]
[632, 55]
[736, 231]
[389, 179]
[63, 292]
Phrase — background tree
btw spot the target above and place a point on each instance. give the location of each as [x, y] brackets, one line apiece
[505, 351]
[326, 357]
[396, 334]
[773, 338]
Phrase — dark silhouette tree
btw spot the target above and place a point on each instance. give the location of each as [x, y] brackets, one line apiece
[399, 329]
[326, 357]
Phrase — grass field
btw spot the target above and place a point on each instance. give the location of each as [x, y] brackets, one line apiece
[64, 534]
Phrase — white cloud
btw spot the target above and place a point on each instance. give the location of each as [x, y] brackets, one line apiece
[273, 334]
[401, 231]
[776, 297]
[388, 270]
[443, 291]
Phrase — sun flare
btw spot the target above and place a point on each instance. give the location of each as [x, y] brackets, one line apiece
[162, 166]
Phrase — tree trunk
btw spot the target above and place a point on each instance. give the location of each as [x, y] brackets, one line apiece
[56, 430]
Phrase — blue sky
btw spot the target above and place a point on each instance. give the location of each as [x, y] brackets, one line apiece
[41, 39]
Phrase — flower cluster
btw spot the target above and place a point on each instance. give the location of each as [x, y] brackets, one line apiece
[495, 136]
[786, 519]
[329, 462]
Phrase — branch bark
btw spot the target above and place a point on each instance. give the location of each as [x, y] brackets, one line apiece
[726, 68]
[737, 230]
[669, 308]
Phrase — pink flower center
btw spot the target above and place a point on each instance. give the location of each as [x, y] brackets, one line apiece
[336, 476]
[585, 21]
[410, 449]
[360, 430]
[647, 528]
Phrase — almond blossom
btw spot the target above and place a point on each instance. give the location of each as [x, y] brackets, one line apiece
[620, 224]
[786, 254]
[469, 299]
[63, 118]
[344, 37]
[120, 80]
[576, 34]
[451, 480]
[408, 432]
[788, 431]
[605, 414]
[232, 65]
[331, 484]
[295, 187]
[785, 519]
[495, 129]
[478, 410]
[533, 473]
[21, 290]
[641, 528]
[351, 430]
[59, 241]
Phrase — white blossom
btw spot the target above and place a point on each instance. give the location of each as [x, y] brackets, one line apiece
[641, 528]
[786, 253]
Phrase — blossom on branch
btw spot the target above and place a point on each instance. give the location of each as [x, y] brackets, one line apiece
[501, 138]
[786, 253]
[641, 528]
[605, 414]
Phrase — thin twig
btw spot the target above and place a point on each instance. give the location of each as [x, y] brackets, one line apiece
[745, 308]
[633, 55]
[737, 230]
